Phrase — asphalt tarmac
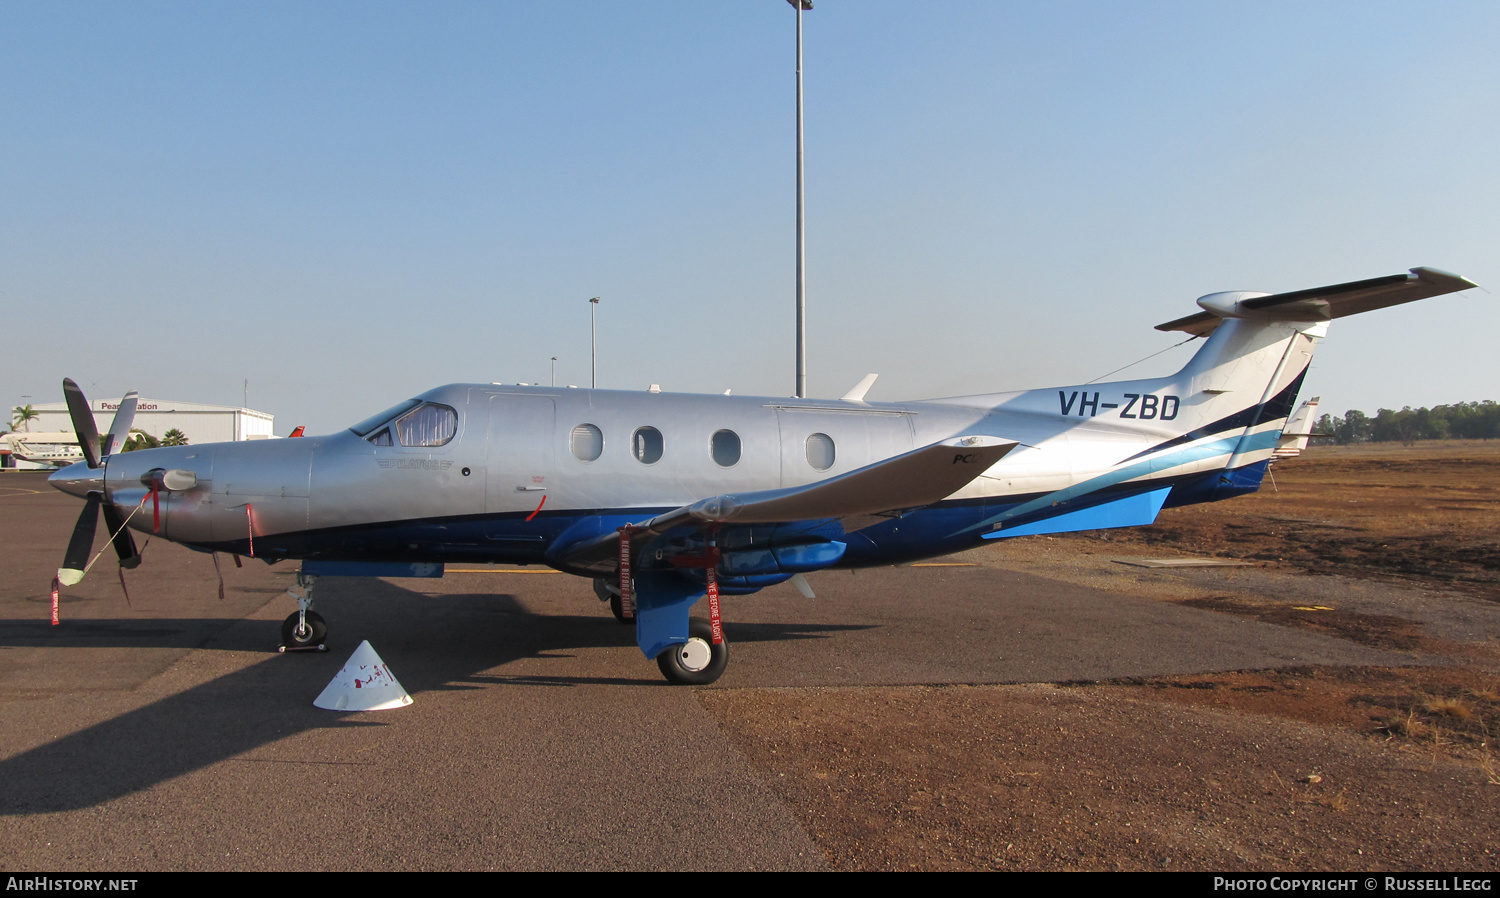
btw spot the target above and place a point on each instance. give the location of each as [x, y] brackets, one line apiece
[166, 733]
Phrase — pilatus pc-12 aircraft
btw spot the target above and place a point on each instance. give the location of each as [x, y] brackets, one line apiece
[664, 499]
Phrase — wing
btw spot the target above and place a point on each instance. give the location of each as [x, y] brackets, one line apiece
[1320, 303]
[911, 480]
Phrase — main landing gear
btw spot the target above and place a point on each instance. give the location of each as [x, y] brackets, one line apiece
[304, 630]
[609, 592]
[698, 661]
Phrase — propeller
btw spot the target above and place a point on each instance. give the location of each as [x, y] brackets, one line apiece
[76, 558]
[119, 428]
[83, 421]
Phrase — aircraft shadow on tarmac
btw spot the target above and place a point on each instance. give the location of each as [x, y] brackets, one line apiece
[443, 642]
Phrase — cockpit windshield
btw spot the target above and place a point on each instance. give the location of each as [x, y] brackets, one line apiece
[414, 423]
[428, 425]
[375, 421]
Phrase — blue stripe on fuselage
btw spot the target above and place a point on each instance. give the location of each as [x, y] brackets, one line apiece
[1130, 472]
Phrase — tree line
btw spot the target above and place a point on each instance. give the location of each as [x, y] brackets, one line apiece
[1462, 421]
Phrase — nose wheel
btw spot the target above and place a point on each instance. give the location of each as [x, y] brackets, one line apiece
[302, 635]
[696, 662]
[304, 630]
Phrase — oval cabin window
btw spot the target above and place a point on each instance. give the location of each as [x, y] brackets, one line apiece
[726, 448]
[646, 444]
[587, 442]
[820, 451]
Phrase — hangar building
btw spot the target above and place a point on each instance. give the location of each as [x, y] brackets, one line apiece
[200, 423]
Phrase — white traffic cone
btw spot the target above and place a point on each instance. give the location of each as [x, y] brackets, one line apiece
[364, 683]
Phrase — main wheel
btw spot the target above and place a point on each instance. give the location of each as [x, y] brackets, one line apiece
[617, 608]
[294, 636]
[608, 592]
[696, 662]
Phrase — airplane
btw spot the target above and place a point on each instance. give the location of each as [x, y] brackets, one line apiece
[58, 449]
[665, 499]
[1298, 431]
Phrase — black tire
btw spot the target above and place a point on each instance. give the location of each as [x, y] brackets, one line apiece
[314, 634]
[616, 608]
[678, 663]
[607, 591]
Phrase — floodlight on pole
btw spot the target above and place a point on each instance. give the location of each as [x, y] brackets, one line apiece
[593, 346]
[554, 371]
[801, 5]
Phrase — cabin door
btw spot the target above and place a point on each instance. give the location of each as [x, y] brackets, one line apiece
[519, 452]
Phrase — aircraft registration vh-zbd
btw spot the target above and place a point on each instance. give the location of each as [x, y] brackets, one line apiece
[664, 499]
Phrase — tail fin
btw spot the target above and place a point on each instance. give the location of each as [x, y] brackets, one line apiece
[1243, 384]
[1298, 430]
[1207, 432]
[1226, 409]
[1259, 345]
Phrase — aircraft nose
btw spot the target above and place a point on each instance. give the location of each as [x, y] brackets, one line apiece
[78, 479]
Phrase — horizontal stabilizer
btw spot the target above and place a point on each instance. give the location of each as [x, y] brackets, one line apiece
[1320, 303]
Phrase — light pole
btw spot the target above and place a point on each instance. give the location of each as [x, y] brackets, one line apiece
[554, 371]
[593, 346]
[801, 5]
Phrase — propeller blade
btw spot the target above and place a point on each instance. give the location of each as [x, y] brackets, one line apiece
[83, 422]
[119, 429]
[120, 535]
[82, 542]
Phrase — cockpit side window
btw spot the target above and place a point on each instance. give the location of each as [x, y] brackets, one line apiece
[427, 425]
[383, 438]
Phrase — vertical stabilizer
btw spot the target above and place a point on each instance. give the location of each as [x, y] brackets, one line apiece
[1298, 430]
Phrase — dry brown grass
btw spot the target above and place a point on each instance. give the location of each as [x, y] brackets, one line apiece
[1450, 707]
[1409, 726]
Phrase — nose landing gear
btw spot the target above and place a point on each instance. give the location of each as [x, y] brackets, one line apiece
[304, 630]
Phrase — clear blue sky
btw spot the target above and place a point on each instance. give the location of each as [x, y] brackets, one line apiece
[348, 203]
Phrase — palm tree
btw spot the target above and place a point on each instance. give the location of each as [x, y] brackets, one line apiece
[23, 417]
[174, 437]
